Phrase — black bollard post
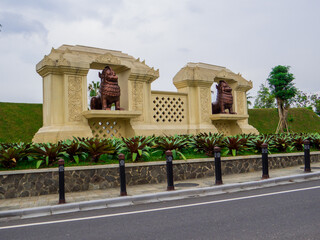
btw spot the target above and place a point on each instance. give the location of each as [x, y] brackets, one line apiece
[307, 167]
[123, 190]
[169, 159]
[265, 167]
[61, 182]
[217, 165]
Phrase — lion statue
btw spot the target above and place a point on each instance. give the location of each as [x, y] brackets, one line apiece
[109, 91]
[224, 99]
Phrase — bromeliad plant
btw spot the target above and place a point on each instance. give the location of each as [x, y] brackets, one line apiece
[136, 147]
[233, 144]
[314, 140]
[95, 147]
[298, 142]
[247, 138]
[47, 153]
[74, 150]
[11, 155]
[173, 143]
[205, 142]
[282, 143]
[255, 143]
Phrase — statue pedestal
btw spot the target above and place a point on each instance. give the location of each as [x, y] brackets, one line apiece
[227, 117]
[117, 114]
[232, 124]
[55, 133]
[108, 123]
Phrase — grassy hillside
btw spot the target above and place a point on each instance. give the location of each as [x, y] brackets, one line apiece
[19, 121]
[299, 120]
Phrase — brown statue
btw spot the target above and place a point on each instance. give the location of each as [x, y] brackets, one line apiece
[224, 99]
[109, 91]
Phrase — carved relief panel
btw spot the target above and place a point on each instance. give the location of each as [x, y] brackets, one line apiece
[137, 98]
[74, 98]
[241, 102]
[205, 104]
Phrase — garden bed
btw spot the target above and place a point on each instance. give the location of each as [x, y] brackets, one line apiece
[92, 151]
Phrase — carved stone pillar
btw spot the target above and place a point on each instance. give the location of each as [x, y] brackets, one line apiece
[64, 100]
[195, 81]
[139, 98]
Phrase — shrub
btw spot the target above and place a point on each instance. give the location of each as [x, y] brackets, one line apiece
[50, 152]
[205, 142]
[11, 155]
[74, 150]
[282, 142]
[136, 147]
[233, 144]
[173, 143]
[95, 147]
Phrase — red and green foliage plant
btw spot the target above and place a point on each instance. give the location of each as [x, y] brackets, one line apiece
[10, 154]
[314, 140]
[282, 143]
[255, 142]
[47, 153]
[233, 144]
[298, 142]
[173, 143]
[95, 147]
[74, 150]
[205, 142]
[137, 147]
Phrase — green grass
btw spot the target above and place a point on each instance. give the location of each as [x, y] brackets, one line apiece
[19, 121]
[299, 120]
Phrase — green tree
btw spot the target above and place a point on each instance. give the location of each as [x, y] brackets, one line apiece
[317, 106]
[301, 99]
[282, 87]
[315, 103]
[249, 102]
[264, 98]
[94, 88]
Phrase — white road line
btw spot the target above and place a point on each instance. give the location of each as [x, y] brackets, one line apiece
[157, 209]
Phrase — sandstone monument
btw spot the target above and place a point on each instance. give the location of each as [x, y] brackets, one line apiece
[143, 112]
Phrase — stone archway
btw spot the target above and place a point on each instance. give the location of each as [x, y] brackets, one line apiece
[188, 111]
[64, 73]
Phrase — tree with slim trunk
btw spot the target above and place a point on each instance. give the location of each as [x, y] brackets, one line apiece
[282, 87]
[264, 98]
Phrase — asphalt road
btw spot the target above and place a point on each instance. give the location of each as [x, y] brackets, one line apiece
[281, 212]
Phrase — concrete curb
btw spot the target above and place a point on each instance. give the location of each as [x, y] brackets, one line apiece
[147, 198]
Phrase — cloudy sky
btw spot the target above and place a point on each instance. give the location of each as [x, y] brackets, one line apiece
[246, 36]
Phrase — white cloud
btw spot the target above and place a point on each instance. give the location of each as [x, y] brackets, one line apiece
[246, 36]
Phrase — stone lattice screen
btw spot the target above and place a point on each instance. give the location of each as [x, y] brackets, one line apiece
[169, 108]
[107, 128]
[223, 127]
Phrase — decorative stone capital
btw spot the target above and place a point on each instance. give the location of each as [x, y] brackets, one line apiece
[59, 70]
[194, 75]
[108, 58]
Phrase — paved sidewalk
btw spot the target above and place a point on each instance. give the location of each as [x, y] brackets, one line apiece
[149, 189]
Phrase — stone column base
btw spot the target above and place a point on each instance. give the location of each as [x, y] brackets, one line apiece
[246, 128]
[53, 134]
